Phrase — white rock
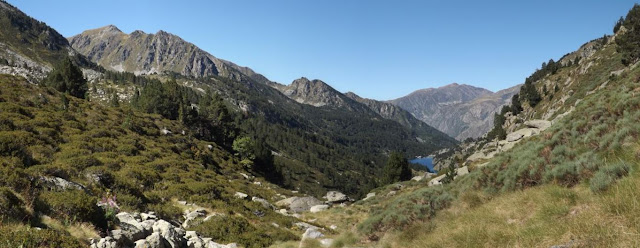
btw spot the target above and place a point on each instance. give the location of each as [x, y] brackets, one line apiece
[369, 196]
[264, 202]
[312, 233]
[241, 195]
[336, 197]
[319, 208]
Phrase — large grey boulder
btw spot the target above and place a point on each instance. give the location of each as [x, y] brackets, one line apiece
[59, 184]
[336, 197]
[302, 204]
[173, 235]
[130, 228]
[539, 124]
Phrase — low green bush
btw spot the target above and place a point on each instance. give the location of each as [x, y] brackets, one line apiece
[227, 229]
[607, 176]
[11, 207]
[23, 236]
[72, 206]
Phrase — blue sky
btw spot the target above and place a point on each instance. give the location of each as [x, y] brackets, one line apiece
[377, 49]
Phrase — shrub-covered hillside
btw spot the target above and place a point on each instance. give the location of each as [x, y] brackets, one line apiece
[573, 185]
[60, 155]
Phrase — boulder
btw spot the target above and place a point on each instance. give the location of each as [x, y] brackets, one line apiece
[312, 233]
[241, 195]
[522, 133]
[336, 197]
[539, 124]
[59, 184]
[302, 204]
[285, 203]
[174, 236]
[436, 181]
[155, 240]
[106, 242]
[319, 208]
[304, 225]
[130, 228]
[264, 202]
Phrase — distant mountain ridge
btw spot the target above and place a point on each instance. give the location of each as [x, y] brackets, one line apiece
[459, 110]
[144, 53]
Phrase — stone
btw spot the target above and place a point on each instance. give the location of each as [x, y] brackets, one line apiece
[302, 204]
[304, 225]
[286, 202]
[143, 243]
[174, 236]
[240, 195]
[319, 208]
[156, 241]
[130, 228]
[312, 233]
[522, 133]
[436, 181]
[333, 227]
[336, 197]
[106, 242]
[59, 184]
[539, 124]
[264, 202]
[148, 216]
[392, 193]
[165, 131]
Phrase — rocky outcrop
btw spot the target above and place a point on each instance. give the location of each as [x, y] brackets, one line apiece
[144, 53]
[336, 197]
[145, 230]
[319, 208]
[58, 184]
[299, 204]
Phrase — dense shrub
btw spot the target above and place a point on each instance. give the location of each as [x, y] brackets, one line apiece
[421, 204]
[72, 205]
[11, 207]
[23, 236]
[226, 229]
[607, 175]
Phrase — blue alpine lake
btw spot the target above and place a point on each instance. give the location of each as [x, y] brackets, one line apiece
[426, 161]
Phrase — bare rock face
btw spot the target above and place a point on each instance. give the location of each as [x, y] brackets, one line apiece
[461, 111]
[144, 53]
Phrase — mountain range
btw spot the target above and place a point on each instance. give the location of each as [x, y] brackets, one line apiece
[459, 110]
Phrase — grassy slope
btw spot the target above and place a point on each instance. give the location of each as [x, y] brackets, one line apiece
[556, 188]
[148, 171]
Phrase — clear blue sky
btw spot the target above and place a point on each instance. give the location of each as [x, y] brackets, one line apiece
[378, 49]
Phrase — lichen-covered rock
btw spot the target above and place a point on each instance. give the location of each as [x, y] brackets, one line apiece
[336, 197]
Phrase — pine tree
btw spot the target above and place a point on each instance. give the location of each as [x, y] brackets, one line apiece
[396, 169]
[67, 77]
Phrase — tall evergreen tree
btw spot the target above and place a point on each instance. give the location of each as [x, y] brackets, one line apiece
[396, 169]
[67, 77]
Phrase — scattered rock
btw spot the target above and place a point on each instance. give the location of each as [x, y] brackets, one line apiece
[106, 242]
[241, 195]
[319, 208]
[391, 193]
[264, 202]
[174, 236]
[305, 226]
[333, 227]
[165, 131]
[312, 233]
[302, 204]
[336, 197]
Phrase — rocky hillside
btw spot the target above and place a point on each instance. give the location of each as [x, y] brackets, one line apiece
[29, 47]
[324, 140]
[145, 54]
[461, 111]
